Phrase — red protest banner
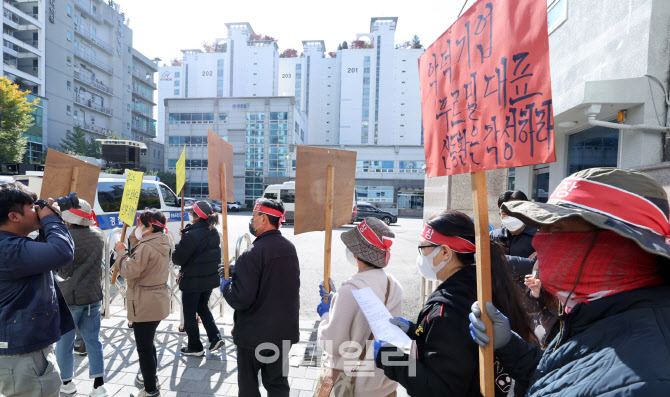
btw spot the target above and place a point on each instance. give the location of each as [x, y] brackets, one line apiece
[486, 90]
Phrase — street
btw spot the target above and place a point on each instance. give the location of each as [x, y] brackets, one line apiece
[310, 247]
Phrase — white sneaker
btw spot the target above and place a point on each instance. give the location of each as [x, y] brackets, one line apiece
[99, 392]
[70, 388]
[143, 393]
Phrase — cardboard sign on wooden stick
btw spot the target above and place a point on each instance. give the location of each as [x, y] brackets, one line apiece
[310, 187]
[220, 177]
[219, 152]
[65, 174]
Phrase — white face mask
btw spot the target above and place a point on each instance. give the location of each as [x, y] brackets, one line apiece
[139, 232]
[512, 224]
[425, 264]
[351, 258]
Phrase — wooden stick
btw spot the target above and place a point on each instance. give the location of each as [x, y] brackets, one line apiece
[224, 221]
[116, 265]
[330, 194]
[484, 293]
[182, 208]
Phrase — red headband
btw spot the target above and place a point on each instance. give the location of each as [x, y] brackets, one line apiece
[155, 223]
[371, 237]
[270, 211]
[199, 212]
[613, 202]
[85, 215]
[457, 244]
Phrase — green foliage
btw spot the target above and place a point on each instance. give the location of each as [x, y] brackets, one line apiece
[75, 144]
[345, 46]
[416, 43]
[168, 178]
[15, 119]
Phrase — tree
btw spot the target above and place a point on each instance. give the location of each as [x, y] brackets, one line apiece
[345, 46]
[289, 53]
[169, 178]
[208, 47]
[339, 47]
[332, 54]
[75, 143]
[416, 43]
[94, 148]
[15, 119]
[177, 62]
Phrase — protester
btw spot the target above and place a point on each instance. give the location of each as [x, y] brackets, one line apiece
[447, 361]
[265, 295]
[368, 249]
[603, 252]
[199, 254]
[145, 268]
[544, 320]
[515, 236]
[33, 313]
[82, 289]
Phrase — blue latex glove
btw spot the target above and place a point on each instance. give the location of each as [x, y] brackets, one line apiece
[400, 323]
[376, 346]
[323, 308]
[502, 332]
[224, 282]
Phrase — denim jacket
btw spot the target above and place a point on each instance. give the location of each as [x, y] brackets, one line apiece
[33, 313]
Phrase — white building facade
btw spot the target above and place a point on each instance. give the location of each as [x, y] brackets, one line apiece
[263, 131]
[241, 65]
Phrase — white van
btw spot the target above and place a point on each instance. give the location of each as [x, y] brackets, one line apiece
[154, 194]
[284, 192]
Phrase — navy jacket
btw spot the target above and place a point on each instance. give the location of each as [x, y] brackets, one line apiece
[199, 255]
[33, 313]
[517, 245]
[265, 293]
[615, 346]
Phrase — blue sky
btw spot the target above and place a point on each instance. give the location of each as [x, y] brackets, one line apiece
[164, 27]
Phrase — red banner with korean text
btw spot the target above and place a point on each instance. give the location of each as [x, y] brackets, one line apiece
[486, 90]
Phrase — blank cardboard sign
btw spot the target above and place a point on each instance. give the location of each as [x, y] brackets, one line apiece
[64, 174]
[219, 152]
[310, 187]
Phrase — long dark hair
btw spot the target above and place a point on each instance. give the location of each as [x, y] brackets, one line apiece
[506, 295]
[155, 214]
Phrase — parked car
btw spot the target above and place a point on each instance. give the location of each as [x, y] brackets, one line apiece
[234, 206]
[216, 205]
[189, 201]
[364, 210]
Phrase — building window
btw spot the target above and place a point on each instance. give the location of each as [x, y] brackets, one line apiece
[176, 75]
[69, 61]
[191, 118]
[411, 166]
[69, 36]
[68, 85]
[374, 166]
[68, 110]
[69, 10]
[557, 13]
[375, 194]
[176, 83]
[176, 91]
[223, 118]
[594, 147]
[511, 178]
[181, 141]
[93, 31]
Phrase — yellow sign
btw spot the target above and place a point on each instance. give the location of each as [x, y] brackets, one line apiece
[181, 171]
[131, 196]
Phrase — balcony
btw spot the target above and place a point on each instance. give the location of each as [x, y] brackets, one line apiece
[89, 81]
[85, 33]
[11, 19]
[88, 9]
[144, 112]
[144, 128]
[93, 61]
[10, 48]
[143, 95]
[93, 128]
[92, 105]
[144, 79]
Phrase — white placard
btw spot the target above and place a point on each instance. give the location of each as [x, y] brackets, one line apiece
[378, 317]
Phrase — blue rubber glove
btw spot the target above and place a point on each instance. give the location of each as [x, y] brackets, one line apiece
[376, 346]
[224, 282]
[502, 332]
[400, 323]
[323, 308]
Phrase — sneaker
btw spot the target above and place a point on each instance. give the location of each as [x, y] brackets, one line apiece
[188, 352]
[70, 388]
[81, 349]
[99, 392]
[144, 393]
[216, 345]
[140, 379]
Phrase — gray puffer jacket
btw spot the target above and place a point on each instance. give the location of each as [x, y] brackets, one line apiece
[82, 278]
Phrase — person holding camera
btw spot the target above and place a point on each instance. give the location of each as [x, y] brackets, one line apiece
[199, 254]
[33, 313]
[146, 268]
[80, 283]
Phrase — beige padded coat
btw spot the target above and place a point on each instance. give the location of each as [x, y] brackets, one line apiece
[146, 269]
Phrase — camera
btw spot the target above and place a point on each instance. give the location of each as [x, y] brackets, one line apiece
[64, 203]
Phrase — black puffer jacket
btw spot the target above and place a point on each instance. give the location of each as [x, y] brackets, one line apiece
[83, 277]
[199, 254]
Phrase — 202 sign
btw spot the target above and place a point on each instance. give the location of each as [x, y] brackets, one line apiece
[207, 73]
